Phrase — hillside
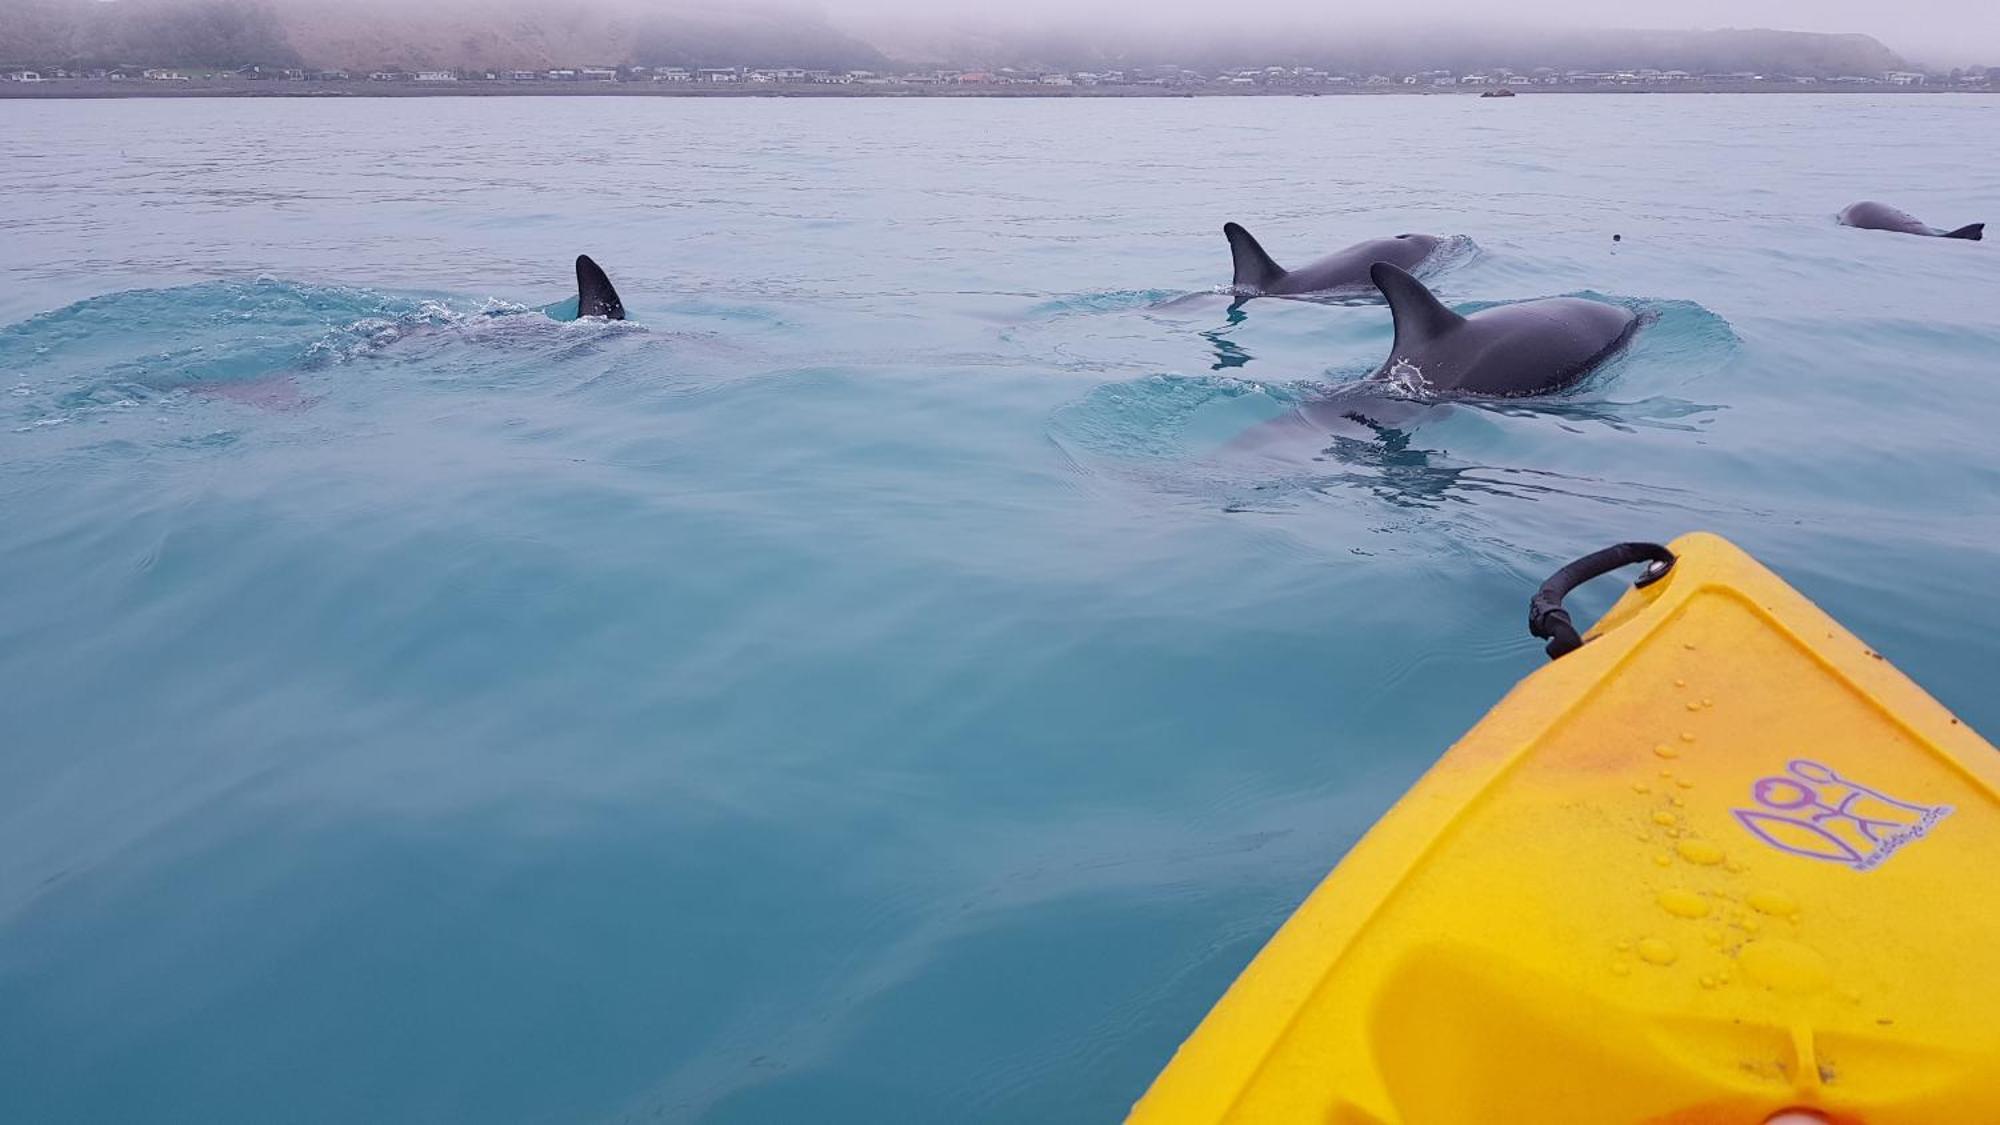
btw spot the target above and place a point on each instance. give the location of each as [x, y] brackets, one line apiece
[374, 34]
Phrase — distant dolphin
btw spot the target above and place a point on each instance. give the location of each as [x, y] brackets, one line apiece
[1524, 349]
[1870, 215]
[594, 294]
[1258, 276]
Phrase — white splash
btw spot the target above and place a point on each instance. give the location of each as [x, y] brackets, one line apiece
[1407, 378]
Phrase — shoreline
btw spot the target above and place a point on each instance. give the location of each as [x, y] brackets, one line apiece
[84, 89]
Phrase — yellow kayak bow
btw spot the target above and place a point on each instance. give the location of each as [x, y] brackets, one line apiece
[1719, 864]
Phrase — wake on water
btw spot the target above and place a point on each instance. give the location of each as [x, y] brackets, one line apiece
[250, 340]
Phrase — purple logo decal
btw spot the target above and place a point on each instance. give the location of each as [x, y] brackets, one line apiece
[1811, 811]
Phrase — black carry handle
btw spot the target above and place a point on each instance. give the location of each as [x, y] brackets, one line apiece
[1548, 619]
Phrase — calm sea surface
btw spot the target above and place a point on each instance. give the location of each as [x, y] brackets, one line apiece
[869, 686]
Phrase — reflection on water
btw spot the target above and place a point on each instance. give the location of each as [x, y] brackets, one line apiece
[1228, 353]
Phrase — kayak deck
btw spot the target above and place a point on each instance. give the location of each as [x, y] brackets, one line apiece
[1721, 861]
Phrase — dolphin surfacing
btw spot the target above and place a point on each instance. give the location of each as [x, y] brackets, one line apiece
[1257, 275]
[594, 294]
[1529, 348]
[1870, 215]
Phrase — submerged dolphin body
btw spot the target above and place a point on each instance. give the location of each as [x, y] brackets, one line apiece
[594, 294]
[1529, 348]
[1257, 275]
[1869, 215]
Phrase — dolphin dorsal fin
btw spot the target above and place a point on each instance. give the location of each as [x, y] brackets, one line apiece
[1254, 268]
[1972, 232]
[1418, 314]
[594, 294]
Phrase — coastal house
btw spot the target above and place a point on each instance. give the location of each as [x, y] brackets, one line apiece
[436, 76]
[598, 74]
[522, 76]
[25, 76]
[165, 76]
[718, 74]
[562, 74]
[1904, 78]
[672, 74]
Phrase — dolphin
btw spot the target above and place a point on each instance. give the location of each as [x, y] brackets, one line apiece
[1258, 276]
[1529, 348]
[1870, 215]
[594, 294]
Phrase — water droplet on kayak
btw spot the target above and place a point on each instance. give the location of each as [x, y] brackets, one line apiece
[1708, 982]
[1622, 946]
[1680, 683]
[1683, 903]
[1665, 819]
[1656, 952]
[1699, 851]
[1783, 966]
[1773, 902]
[1687, 736]
[1664, 860]
[1666, 751]
[1621, 968]
[1684, 783]
[1641, 787]
[1693, 706]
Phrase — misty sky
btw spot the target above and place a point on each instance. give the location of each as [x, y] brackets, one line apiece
[1949, 31]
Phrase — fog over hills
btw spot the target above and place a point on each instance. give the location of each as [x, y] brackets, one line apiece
[372, 34]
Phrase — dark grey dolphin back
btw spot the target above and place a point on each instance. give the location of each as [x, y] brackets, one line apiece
[594, 294]
[1871, 215]
[1254, 268]
[1420, 317]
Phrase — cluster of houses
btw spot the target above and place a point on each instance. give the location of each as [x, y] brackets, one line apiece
[1159, 76]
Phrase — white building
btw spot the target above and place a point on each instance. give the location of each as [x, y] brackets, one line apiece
[1904, 78]
[436, 76]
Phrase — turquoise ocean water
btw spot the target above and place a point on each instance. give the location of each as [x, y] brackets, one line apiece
[871, 685]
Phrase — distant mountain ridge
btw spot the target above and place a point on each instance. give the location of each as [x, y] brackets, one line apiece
[459, 34]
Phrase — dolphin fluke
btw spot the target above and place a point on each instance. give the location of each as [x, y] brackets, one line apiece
[1972, 232]
[594, 294]
[1254, 268]
[1418, 314]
